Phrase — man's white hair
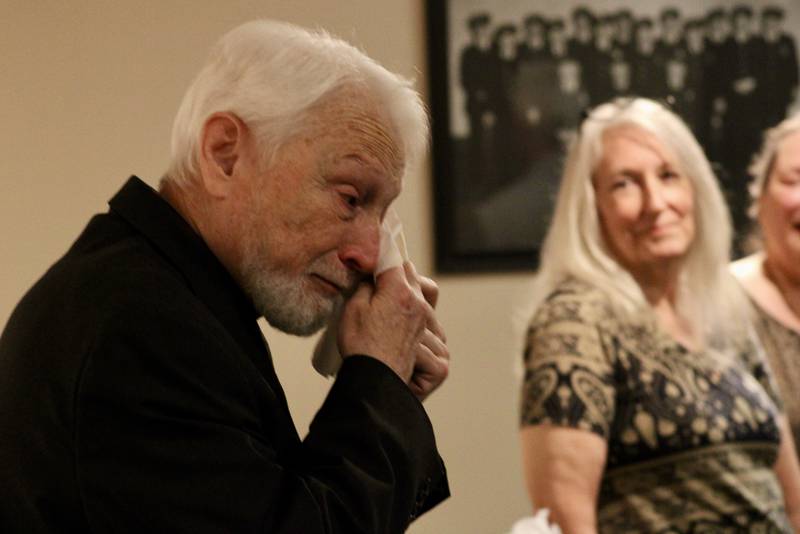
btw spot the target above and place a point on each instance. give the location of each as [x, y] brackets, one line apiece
[272, 75]
[575, 247]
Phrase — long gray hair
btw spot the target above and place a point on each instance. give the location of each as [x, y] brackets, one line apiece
[575, 247]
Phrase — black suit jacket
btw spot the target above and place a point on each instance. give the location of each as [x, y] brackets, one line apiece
[137, 394]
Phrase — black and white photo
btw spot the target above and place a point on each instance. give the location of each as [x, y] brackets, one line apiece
[512, 79]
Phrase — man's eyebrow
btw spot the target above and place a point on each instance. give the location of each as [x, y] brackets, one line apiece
[357, 157]
[367, 161]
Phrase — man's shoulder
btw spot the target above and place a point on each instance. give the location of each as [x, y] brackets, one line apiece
[113, 291]
[110, 263]
[108, 270]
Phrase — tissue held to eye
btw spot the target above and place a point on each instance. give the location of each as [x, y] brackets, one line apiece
[326, 358]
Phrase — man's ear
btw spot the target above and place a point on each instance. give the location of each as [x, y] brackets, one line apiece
[222, 145]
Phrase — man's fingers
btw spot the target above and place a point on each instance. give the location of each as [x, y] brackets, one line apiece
[412, 277]
[426, 286]
[363, 292]
[389, 277]
[435, 342]
[429, 290]
[430, 370]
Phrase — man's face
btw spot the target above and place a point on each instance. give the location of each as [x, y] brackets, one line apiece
[719, 26]
[583, 27]
[742, 24]
[534, 32]
[694, 37]
[508, 45]
[771, 25]
[556, 36]
[605, 32]
[672, 25]
[311, 221]
[645, 38]
[481, 36]
[624, 26]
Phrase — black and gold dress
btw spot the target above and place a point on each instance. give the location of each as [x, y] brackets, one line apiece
[692, 435]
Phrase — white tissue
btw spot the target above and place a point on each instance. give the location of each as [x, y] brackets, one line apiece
[391, 253]
[537, 524]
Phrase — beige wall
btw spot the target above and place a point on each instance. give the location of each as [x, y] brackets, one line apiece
[87, 96]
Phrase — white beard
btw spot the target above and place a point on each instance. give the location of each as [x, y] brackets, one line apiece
[284, 300]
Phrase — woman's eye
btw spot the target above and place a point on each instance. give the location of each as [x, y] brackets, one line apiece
[792, 178]
[620, 184]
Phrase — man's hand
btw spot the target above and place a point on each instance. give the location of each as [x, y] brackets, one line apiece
[433, 357]
[393, 321]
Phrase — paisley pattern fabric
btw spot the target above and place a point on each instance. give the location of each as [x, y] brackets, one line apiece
[782, 346]
[692, 436]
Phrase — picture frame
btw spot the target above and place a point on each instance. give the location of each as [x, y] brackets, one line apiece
[499, 140]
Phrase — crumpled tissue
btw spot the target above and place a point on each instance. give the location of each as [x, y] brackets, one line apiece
[536, 524]
[392, 252]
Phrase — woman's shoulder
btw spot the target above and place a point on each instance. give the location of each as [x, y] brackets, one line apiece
[748, 271]
[573, 300]
[575, 289]
[767, 301]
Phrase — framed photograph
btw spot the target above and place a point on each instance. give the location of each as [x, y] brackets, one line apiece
[511, 81]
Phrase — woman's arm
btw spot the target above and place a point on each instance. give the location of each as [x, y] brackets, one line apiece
[788, 470]
[563, 467]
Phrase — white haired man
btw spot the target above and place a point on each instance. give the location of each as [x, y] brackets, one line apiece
[137, 391]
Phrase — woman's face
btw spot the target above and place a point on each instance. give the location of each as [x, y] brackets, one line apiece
[644, 202]
[779, 207]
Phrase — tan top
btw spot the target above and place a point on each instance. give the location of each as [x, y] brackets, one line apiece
[782, 346]
[778, 330]
[692, 435]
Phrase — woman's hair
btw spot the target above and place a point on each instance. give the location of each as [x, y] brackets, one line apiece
[273, 76]
[575, 246]
[764, 160]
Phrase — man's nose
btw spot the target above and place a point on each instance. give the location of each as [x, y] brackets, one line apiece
[362, 247]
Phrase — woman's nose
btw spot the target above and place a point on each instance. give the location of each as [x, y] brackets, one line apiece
[654, 192]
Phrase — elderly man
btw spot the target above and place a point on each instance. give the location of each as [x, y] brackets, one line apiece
[137, 393]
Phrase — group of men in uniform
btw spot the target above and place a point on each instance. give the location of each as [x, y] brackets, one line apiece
[729, 74]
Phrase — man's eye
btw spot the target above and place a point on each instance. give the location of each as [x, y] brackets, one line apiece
[350, 200]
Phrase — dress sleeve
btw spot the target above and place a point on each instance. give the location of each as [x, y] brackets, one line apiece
[568, 376]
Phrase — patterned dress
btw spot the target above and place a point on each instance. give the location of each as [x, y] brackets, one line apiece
[782, 346]
[692, 436]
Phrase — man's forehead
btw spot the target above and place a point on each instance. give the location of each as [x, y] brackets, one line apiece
[354, 120]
